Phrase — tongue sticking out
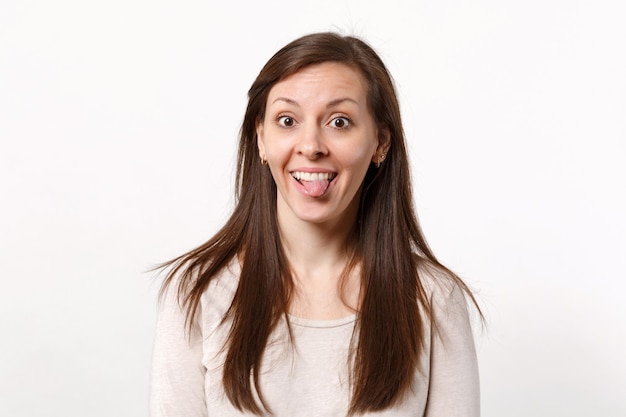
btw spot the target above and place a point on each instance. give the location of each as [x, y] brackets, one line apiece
[315, 188]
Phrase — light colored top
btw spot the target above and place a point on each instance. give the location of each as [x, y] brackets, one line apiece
[310, 377]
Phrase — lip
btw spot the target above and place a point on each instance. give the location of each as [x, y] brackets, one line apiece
[313, 170]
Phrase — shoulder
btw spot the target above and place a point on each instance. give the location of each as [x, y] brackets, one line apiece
[179, 284]
[438, 282]
[215, 300]
[446, 295]
[223, 286]
[218, 296]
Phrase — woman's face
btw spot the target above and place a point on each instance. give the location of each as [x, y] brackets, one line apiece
[319, 138]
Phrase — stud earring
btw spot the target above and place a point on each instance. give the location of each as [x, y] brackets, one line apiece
[381, 158]
[263, 161]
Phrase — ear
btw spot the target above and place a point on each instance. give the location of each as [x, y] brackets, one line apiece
[384, 142]
[259, 139]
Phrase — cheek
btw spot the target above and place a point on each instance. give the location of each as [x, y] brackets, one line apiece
[358, 156]
[277, 154]
[277, 158]
[274, 148]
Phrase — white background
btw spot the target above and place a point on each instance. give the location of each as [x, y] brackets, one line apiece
[118, 126]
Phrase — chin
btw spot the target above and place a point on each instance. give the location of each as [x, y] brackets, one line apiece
[319, 216]
[313, 218]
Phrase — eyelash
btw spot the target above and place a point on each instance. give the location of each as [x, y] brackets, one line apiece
[280, 119]
[346, 119]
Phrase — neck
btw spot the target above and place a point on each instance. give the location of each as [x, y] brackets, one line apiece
[312, 247]
[318, 255]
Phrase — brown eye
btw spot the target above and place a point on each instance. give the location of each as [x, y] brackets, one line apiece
[286, 121]
[340, 122]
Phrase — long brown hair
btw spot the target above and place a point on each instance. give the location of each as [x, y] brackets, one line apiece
[389, 246]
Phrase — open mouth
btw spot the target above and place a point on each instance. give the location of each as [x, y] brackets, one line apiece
[314, 183]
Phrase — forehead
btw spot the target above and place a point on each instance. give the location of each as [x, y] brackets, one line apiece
[321, 82]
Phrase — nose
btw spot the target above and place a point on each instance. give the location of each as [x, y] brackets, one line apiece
[311, 142]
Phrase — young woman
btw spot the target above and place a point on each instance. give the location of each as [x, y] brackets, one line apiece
[320, 296]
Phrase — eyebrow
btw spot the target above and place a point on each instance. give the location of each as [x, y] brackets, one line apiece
[330, 104]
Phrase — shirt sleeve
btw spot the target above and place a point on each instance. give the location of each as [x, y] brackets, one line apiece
[454, 385]
[177, 375]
